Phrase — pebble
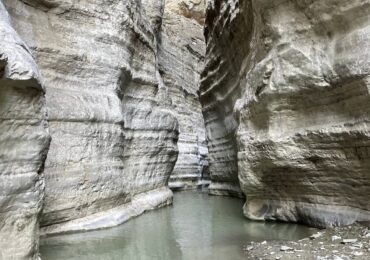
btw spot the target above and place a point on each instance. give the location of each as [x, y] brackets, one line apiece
[357, 253]
[285, 248]
[333, 238]
[317, 235]
[358, 245]
[349, 241]
[249, 248]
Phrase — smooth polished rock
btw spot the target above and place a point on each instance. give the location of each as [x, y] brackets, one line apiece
[114, 135]
[24, 142]
[285, 93]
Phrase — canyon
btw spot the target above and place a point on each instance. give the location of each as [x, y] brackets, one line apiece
[91, 113]
[106, 105]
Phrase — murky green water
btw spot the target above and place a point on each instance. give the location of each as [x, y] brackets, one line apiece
[198, 226]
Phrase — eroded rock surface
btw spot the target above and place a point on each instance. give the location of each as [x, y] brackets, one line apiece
[113, 134]
[24, 142]
[285, 94]
[181, 57]
[227, 26]
[192, 9]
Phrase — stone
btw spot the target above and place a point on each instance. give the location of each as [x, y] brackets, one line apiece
[316, 235]
[181, 56]
[349, 241]
[357, 253]
[192, 9]
[114, 135]
[285, 94]
[334, 238]
[120, 85]
[24, 142]
[286, 248]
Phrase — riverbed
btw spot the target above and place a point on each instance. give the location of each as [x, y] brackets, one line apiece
[197, 226]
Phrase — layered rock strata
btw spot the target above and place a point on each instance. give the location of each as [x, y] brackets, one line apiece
[285, 94]
[181, 57]
[113, 135]
[24, 142]
[222, 78]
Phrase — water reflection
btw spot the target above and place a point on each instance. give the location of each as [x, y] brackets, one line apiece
[198, 226]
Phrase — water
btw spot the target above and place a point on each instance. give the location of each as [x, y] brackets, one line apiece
[198, 226]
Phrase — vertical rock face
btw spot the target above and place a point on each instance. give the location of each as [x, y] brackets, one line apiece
[113, 135]
[181, 57]
[24, 142]
[227, 30]
[285, 94]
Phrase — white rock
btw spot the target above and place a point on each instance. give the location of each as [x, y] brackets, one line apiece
[334, 238]
[349, 241]
[286, 248]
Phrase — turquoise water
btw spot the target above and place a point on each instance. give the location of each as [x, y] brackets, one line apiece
[197, 226]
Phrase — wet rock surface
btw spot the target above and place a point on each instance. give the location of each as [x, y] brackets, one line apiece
[340, 243]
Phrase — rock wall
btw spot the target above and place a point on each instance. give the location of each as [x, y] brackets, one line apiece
[228, 26]
[181, 57]
[285, 94]
[24, 142]
[113, 134]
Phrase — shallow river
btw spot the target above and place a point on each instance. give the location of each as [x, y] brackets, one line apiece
[198, 226]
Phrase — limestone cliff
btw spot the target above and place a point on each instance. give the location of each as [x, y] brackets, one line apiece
[181, 56]
[113, 134]
[285, 93]
[24, 142]
[121, 80]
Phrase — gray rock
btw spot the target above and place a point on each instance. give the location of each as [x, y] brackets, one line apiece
[118, 91]
[316, 235]
[286, 248]
[349, 241]
[24, 142]
[181, 55]
[113, 132]
[284, 95]
[334, 238]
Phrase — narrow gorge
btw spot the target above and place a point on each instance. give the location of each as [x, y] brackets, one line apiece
[108, 106]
